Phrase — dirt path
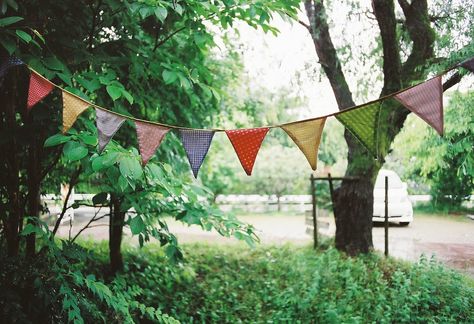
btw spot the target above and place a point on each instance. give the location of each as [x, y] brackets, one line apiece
[450, 241]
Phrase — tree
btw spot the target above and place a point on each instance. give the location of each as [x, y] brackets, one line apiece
[407, 43]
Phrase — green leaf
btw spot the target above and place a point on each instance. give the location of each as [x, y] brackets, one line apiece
[53, 63]
[161, 13]
[9, 21]
[179, 9]
[56, 140]
[137, 225]
[100, 199]
[114, 92]
[169, 76]
[167, 167]
[104, 161]
[23, 35]
[127, 96]
[131, 168]
[9, 45]
[88, 139]
[74, 151]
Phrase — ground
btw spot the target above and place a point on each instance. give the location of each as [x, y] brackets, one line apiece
[449, 239]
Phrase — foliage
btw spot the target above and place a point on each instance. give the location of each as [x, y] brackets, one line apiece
[294, 284]
[444, 163]
[53, 287]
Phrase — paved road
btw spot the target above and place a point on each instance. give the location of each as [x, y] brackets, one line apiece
[450, 241]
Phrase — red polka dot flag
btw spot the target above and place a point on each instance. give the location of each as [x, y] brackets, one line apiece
[39, 88]
[246, 143]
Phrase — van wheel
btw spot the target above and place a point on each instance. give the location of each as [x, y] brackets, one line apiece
[404, 223]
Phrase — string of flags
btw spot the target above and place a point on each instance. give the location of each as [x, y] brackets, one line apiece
[424, 99]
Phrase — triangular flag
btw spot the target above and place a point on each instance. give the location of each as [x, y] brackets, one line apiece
[468, 64]
[107, 125]
[363, 124]
[196, 144]
[72, 107]
[149, 138]
[8, 63]
[246, 143]
[307, 135]
[39, 88]
[426, 100]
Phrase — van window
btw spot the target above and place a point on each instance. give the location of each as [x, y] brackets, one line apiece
[394, 182]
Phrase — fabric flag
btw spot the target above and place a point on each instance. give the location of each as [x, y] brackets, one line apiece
[307, 136]
[149, 138]
[39, 88]
[468, 64]
[8, 63]
[107, 125]
[196, 144]
[246, 143]
[425, 100]
[363, 124]
[72, 107]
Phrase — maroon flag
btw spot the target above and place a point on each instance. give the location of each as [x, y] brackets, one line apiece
[149, 138]
[425, 100]
[39, 88]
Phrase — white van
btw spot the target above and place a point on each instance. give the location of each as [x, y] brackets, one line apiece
[400, 208]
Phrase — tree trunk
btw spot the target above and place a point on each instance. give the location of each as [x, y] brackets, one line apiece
[11, 167]
[117, 218]
[353, 203]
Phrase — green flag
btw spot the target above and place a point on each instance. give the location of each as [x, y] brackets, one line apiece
[363, 124]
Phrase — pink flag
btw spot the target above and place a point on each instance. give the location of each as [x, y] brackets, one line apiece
[426, 100]
[247, 143]
[149, 138]
[39, 88]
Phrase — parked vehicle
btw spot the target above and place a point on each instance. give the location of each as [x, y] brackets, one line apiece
[400, 208]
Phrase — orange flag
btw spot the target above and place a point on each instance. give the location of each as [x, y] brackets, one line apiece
[246, 143]
[72, 107]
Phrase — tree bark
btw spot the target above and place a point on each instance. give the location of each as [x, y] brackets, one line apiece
[117, 218]
[11, 167]
[353, 200]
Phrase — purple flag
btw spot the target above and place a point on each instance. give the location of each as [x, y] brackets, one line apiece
[7, 63]
[196, 144]
[468, 64]
[149, 138]
[107, 125]
[425, 100]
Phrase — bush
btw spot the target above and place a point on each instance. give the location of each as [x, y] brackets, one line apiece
[293, 284]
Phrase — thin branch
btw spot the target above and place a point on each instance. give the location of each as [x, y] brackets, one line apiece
[72, 183]
[93, 219]
[302, 23]
[53, 164]
[452, 81]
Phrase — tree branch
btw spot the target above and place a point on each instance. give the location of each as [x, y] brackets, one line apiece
[452, 81]
[72, 183]
[385, 14]
[422, 36]
[326, 52]
[93, 219]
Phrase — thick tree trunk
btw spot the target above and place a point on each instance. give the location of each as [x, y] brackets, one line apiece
[353, 201]
[11, 168]
[117, 218]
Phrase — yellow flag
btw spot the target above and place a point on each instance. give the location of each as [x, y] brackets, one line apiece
[72, 108]
[307, 135]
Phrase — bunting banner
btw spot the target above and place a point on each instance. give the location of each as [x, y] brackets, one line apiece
[38, 89]
[150, 137]
[73, 106]
[426, 101]
[8, 63]
[363, 124]
[307, 136]
[468, 64]
[107, 125]
[196, 143]
[246, 143]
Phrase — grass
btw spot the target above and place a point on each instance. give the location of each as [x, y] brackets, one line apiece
[223, 284]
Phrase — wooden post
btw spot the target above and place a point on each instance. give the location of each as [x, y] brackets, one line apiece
[331, 191]
[315, 222]
[386, 216]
